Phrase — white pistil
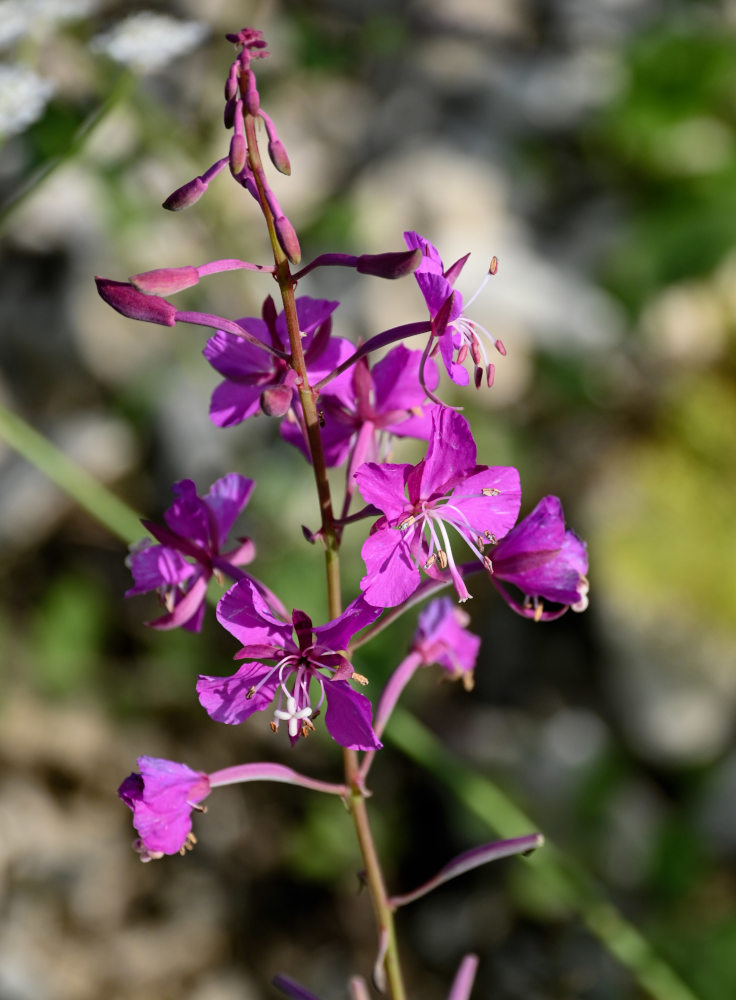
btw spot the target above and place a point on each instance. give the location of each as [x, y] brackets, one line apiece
[295, 717]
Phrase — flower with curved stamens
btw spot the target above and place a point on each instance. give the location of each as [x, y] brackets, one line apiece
[455, 334]
[190, 552]
[162, 796]
[314, 661]
[249, 372]
[446, 490]
[545, 562]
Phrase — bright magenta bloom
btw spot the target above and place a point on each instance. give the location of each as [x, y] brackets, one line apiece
[249, 371]
[307, 658]
[447, 490]
[190, 550]
[545, 562]
[162, 796]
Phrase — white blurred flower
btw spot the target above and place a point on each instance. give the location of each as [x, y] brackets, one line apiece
[19, 18]
[23, 96]
[149, 41]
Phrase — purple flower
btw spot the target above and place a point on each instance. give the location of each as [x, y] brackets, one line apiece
[442, 638]
[445, 490]
[314, 660]
[249, 372]
[189, 553]
[544, 561]
[456, 335]
[162, 796]
[364, 406]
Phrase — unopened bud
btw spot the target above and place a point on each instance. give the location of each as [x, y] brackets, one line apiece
[279, 157]
[126, 299]
[276, 401]
[477, 376]
[165, 280]
[493, 266]
[389, 265]
[228, 115]
[238, 151]
[251, 98]
[288, 239]
[499, 345]
[490, 374]
[231, 84]
[186, 195]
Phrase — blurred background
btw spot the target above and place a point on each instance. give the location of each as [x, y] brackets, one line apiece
[591, 146]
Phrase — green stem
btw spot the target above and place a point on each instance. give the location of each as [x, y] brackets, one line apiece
[95, 498]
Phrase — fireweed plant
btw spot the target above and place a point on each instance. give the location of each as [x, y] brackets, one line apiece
[427, 527]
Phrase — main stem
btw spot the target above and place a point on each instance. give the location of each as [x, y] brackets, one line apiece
[356, 797]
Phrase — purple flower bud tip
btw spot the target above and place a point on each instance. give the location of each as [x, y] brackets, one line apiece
[275, 402]
[165, 280]
[279, 157]
[228, 116]
[186, 195]
[288, 239]
[126, 299]
[389, 265]
[238, 151]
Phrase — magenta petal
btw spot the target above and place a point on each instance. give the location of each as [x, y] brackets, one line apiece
[226, 499]
[236, 358]
[442, 637]
[188, 611]
[225, 699]
[391, 575]
[451, 452]
[541, 531]
[155, 566]
[188, 515]
[162, 797]
[336, 635]
[384, 486]
[348, 717]
[311, 313]
[233, 403]
[496, 514]
[243, 611]
[396, 379]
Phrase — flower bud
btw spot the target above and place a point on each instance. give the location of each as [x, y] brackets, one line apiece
[275, 402]
[228, 115]
[279, 157]
[251, 98]
[186, 195]
[288, 239]
[165, 280]
[126, 299]
[238, 151]
[231, 84]
[389, 265]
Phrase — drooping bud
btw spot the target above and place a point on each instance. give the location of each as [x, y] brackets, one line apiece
[389, 265]
[228, 115]
[276, 150]
[126, 299]
[231, 84]
[165, 280]
[275, 402]
[279, 156]
[493, 266]
[186, 195]
[287, 239]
